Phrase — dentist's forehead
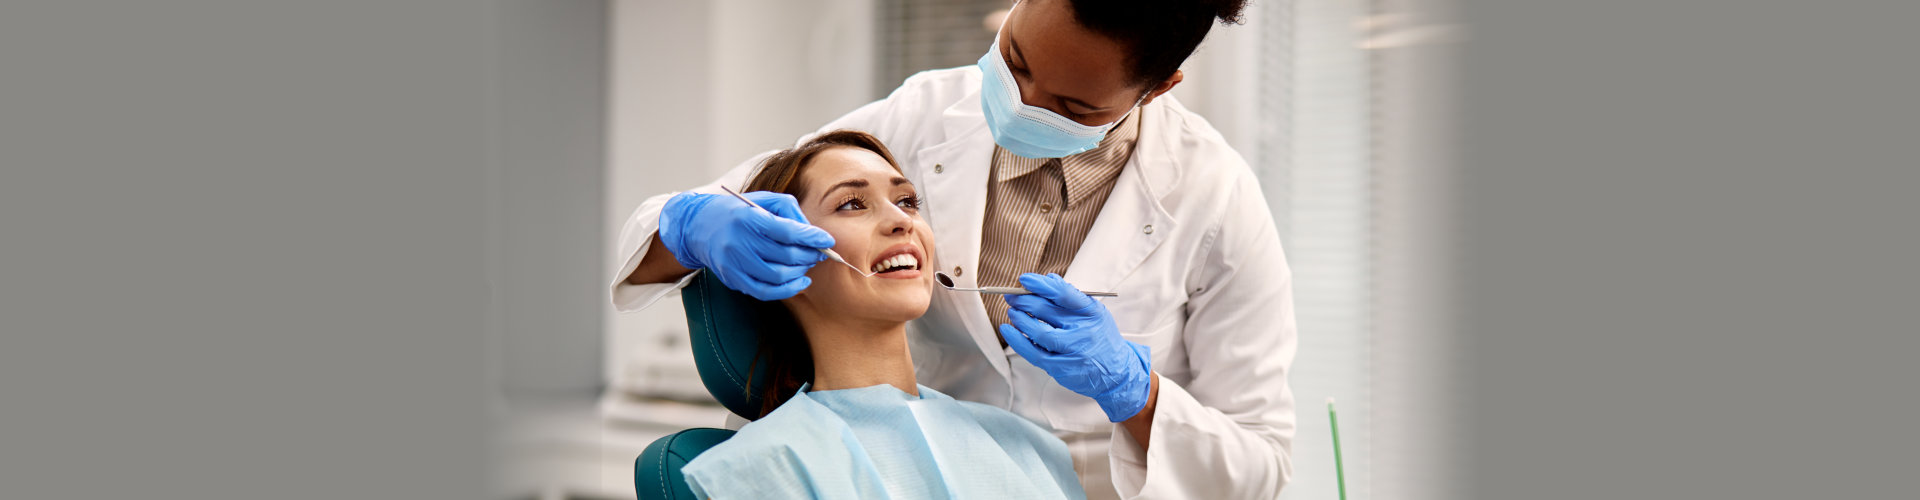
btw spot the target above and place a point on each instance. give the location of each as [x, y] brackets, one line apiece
[1067, 61]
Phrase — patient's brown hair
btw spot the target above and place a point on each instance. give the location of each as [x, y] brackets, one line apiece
[789, 361]
[781, 172]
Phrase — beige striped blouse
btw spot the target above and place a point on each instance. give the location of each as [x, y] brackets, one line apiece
[1039, 211]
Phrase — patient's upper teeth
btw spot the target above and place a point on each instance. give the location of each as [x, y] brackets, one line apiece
[902, 260]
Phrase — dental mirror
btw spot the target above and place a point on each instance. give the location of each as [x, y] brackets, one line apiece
[947, 281]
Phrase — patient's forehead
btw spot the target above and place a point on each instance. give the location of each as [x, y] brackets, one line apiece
[833, 165]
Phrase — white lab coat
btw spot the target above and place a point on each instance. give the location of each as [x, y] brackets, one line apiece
[1187, 241]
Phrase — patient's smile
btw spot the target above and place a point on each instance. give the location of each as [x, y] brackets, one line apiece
[902, 261]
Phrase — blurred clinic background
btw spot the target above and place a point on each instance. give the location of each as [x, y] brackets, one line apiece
[1333, 102]
[336, 249]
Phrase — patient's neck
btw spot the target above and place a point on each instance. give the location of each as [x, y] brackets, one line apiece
[849, 353]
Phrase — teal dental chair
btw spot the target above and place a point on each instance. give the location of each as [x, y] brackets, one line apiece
[724, 327]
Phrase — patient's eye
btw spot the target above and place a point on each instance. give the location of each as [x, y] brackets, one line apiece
[908, 202]
[851, 203]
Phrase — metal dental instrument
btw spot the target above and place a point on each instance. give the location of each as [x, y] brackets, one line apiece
[947, 281]
[831, 255]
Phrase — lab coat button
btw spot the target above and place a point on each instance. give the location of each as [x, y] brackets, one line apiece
[938, 169]
[956, 271]
[1148, 229]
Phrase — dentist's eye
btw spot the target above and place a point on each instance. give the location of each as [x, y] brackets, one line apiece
[908, 202]
[851, 203]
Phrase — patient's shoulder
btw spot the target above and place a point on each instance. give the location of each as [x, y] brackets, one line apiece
[998, 420]
[993, 419]
[1040, 454]
[798, 424]
[1016, 434]
[776, 447]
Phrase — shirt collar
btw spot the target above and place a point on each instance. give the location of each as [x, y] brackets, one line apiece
[1112, 152]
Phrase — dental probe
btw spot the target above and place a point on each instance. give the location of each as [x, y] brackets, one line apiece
[831, 255]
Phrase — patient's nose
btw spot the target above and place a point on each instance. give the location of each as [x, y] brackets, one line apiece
[896, 221]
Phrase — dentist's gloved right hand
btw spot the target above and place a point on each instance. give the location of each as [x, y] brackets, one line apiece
[1074, 338]
[758, 254]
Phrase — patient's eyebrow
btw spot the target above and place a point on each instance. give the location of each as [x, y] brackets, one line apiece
[852, 183]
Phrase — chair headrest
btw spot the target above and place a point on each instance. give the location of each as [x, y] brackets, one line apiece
[725, 326]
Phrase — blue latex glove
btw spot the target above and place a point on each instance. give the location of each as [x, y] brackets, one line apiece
[1074, 339]
[758, 254]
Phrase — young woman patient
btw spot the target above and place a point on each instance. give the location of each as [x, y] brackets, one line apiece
[845, 418]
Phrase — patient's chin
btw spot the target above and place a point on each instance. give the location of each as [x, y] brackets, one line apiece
[902, 307]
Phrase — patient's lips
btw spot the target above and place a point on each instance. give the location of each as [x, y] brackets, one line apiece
[900, 261]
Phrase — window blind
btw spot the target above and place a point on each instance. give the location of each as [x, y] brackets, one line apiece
[1314, 154]
[919, 35]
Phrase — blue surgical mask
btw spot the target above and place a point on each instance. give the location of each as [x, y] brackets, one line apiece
[1029, 131]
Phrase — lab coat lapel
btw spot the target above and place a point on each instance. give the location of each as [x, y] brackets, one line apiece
[1132, 223]
[956, 202]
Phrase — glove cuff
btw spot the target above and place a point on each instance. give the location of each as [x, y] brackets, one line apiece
[674, 219]
[1127, 398]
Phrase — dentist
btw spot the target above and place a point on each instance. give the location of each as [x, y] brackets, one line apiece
[1059, 156]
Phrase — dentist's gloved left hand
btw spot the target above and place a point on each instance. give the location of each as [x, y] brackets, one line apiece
[1075, 340]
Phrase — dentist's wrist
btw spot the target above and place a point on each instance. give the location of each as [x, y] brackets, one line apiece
[1140, 425]
[1129, 398]
[657, 265]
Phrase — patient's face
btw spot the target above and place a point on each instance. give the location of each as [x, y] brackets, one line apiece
[874, 216]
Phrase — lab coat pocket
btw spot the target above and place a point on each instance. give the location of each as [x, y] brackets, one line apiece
[1069, 411]
[1159, 338]
[1155, 324]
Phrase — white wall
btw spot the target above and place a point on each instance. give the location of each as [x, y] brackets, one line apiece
[1220, 77]
[783, 68]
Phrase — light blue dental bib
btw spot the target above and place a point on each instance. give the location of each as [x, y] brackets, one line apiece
[879, 442]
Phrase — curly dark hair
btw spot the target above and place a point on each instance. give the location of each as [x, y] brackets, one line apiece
[1159, 34]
